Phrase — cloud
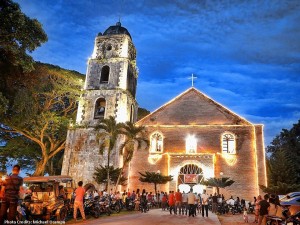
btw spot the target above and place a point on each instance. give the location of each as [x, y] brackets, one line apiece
[246, 54]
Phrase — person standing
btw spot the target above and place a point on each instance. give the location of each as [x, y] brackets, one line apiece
[184, 204]
[172, 202]
[143, 201]
[191, 203]
[178, 200]
[204, 197]
[9, 194]
[214, 203]
[78, 203]
[256, 202]
[263, 210]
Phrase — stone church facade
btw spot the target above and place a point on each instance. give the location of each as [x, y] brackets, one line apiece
[192, 137]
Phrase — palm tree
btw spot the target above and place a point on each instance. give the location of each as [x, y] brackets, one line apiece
[109, 132]
[134, 139]
[218, 182]
[154, 178]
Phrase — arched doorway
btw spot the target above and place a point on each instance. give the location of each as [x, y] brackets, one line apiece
[190, 176]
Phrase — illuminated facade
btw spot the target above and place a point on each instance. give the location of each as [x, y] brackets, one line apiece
[109, 90]
[192, 137]
[201, 139]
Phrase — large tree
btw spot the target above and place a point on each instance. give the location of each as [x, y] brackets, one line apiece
[19, 34]
[218, 183]
[154, 178]
[283, 161]
[134, 139]
[39, 106]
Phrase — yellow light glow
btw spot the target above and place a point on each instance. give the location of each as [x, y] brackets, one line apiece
[153, 159]
[3, 178]
[230, 159]
[264, 153]
[256, 161]
[191, 144]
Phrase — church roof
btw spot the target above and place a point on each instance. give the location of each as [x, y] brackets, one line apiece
[117, 29]
[193, 108]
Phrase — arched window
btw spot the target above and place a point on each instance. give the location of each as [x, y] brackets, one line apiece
[191, 144]
[100, 108]
[228, 143]
[104, 74]
[156, 143]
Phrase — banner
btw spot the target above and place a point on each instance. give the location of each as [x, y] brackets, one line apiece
[190, 178]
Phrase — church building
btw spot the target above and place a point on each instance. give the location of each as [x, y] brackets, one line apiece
[192, 137]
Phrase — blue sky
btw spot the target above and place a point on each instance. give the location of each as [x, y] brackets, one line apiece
[246, 54]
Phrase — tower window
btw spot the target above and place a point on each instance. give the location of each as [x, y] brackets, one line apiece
[132, 114]
[228, 143]
[100, 108]
[104, 74]
[156, 143]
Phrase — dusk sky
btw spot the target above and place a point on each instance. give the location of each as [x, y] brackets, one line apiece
[245, 54]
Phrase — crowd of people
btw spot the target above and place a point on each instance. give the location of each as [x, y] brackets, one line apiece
[188, 204]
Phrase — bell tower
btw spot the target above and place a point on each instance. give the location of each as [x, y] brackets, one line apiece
[109, 90]
[111, 78]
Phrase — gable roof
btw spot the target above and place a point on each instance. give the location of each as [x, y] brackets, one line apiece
[193, 108]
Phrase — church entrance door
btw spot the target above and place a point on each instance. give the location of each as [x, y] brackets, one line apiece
[189, 177]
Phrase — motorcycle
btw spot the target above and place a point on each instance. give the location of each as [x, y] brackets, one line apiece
[115, 205]
[236, 209]
[287, 220]
[130, 204]
[104, 206]
[250, 209]
[91, 207]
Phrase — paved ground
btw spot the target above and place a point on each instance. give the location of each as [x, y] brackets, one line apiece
[237, 219]
[153, 217]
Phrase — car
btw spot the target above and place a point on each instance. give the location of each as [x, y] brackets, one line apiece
[289, 195]
[291, 201]
[293, 204]
[44, 200]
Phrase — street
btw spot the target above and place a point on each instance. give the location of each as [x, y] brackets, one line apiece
[153, 217]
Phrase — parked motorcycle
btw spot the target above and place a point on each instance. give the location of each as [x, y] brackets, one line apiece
[286, 220]
[250, 209]
[236, 209]
[130, 204]
[91, 207]
[104, 205]
[115, 205]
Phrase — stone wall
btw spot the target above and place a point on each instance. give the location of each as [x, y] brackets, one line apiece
[82, 156]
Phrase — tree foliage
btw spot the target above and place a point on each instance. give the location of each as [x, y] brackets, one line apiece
[134, 139]
[18, 35]
[108, 134]
[142, 113]
[283, 162]
[154, 178]
[39, 106]
[218, 183]
[100, 175]
[111, 133]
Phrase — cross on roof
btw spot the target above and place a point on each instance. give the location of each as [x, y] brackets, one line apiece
[192, 78]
